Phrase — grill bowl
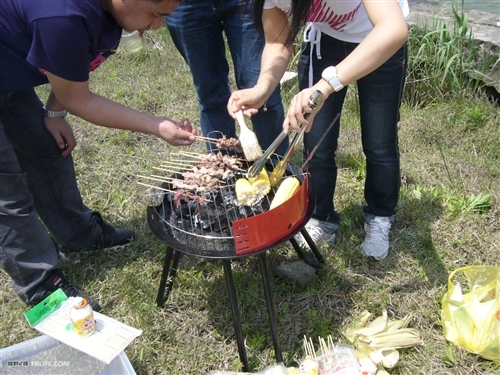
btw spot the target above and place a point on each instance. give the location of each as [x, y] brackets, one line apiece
[221, 228]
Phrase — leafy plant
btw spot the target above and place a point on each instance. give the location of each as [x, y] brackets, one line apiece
[441, 60]
[456, 204]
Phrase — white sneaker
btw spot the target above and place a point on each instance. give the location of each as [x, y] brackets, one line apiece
[321, 232]
[376, 243]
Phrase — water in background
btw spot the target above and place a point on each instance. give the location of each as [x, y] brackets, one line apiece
[491, 6]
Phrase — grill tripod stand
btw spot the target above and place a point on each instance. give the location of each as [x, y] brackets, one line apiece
[170, 267]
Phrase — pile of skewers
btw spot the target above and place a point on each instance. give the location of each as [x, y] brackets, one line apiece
[332, 359]
[188, 175]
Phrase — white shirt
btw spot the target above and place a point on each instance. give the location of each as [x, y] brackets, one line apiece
[345, 20]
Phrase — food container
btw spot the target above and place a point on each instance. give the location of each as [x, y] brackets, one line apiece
[48, 356]
[341, 360]
[131, 42]
[82, 318]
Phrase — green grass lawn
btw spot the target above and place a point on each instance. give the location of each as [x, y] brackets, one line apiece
[450, 162]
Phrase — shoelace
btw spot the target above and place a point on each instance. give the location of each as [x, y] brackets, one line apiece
[68, 288]
[316, 233]
[376, 232]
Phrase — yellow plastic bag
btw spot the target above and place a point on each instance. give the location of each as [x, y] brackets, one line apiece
[471, 319]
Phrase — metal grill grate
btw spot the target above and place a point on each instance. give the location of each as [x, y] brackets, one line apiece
[203, 226]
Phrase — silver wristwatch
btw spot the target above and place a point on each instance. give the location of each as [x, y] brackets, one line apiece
[330, 75]
[49, 113]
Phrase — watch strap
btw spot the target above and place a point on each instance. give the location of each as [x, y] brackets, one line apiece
[330, 75]
[49, 113]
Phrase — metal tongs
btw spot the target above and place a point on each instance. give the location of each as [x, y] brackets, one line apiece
[280, 168]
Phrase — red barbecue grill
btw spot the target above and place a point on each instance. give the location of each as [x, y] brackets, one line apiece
[218, 227]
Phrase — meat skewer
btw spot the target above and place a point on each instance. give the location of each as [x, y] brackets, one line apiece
[231, 144]
[206, 173]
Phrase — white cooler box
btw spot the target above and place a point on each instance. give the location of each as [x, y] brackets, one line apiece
[46, 355]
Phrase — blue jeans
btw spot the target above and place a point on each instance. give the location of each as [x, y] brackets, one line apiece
[379, 102]
[197, 28]
[36, 182]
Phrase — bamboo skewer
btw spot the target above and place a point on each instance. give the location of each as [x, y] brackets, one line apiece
[179, 168]
[182, 161]
[309, 348]
[161, 179]
[207, 139]
[198, 156]
[155, 187]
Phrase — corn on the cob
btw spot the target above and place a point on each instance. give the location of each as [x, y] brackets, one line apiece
[285, 191]
[277, 173]
[401, 338]
[381, 338]
[261, 183]
[245, 193]
[376, 326]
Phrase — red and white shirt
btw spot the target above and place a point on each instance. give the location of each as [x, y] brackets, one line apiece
[345, 20]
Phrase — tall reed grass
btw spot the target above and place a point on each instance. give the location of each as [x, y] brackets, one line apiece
[444, 61]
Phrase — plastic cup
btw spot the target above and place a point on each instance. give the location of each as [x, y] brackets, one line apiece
[131, 42]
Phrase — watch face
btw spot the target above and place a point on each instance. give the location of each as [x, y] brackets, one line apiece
[330, 75]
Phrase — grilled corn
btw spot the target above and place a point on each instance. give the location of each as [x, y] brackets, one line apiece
[285, 191]
[261, 183]
[245, 192]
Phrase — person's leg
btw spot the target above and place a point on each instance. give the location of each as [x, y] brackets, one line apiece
[380, 95]
[325, 221]
[322, 166]
[246, 46]
[197, 32]
[27, 253]
[51, 179]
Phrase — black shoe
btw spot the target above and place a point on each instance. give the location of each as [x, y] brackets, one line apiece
[112, 239]
[56, 280]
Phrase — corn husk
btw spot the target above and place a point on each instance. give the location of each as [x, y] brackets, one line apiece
[380, 338]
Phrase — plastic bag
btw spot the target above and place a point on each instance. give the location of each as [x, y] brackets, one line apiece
[471, 319]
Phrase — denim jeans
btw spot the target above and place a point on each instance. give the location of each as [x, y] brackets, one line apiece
[379, 102]
[36, 182]
[197, 28]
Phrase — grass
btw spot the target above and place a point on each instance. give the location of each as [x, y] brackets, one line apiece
[446, 60]
[448, 217]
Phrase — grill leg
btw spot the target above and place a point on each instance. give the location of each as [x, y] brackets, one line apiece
[270, 307]
[169, 272]
[236, 314]
[319, 257]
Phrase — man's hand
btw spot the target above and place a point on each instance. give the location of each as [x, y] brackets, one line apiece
[177, 133]
[62, 132]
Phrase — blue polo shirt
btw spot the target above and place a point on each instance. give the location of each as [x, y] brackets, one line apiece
[68, 38]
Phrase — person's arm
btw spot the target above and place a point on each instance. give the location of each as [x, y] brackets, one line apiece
[77, 99]
[390, 32]
[274, 61]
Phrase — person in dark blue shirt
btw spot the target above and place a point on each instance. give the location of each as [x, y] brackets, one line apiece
[59, 43]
